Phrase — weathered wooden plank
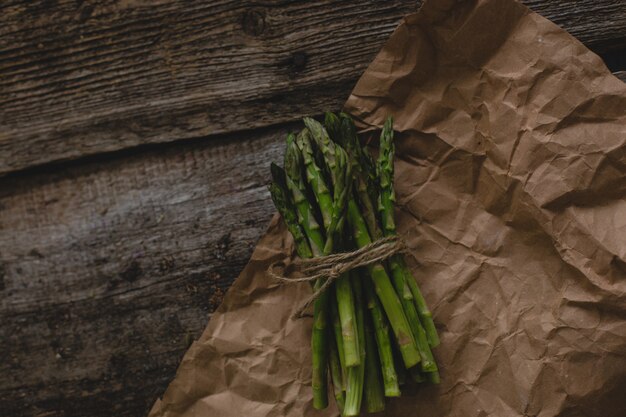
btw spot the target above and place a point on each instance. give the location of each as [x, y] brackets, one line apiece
[81, 78]
[109, 269]
[85, 79]
[598, 24]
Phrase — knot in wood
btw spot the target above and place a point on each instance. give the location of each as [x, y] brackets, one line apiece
[298, 61]
[253, 22]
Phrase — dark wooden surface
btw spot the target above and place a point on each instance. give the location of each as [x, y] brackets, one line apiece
[81, 78]
[134, 144]
[111, 268]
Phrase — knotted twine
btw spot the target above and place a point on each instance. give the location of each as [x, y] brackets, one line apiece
[331, 267]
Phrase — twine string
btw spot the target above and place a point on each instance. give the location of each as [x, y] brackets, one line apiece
[329, 268]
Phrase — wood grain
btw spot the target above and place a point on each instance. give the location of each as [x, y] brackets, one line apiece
[109, 269]
[82, 78]
[600, 25]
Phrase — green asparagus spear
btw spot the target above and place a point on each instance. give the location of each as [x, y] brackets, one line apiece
[387, 200]
[400, 368]
[347, 316]
[399, 281]
[360, 162]
[332, 124]
[385, 291]
[420, 376]
[434, 377]
[315, 177]
[338, 340]
[319, 337]
[402, 277]
[365, 187]
[383, 342]
[329, 176]
[426, 316]
[363, 171]
[336, 163]
[319, 353]
[297, 188]
[319, 348]
[356, 374]
[287, 210]
[336, 374]
[373, 390]
[366, 164]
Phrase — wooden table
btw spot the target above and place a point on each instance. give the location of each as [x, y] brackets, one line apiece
[135, 140]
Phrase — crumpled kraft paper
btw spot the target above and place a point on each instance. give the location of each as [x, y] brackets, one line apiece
[511, 183]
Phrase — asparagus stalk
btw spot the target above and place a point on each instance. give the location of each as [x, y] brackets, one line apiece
[332, 125]
[319, 338]
[315, 177]
[317, 183]
[347, 317]
[385, 172]
[336, 162]
[399, 269]
[399, 280]
[297, 188]
[295, 183]
[339, 341]
[353, 145]
[356, 374]
[434, 377]
[383, 342]
[418, 375]
[385, 291]
[364, 192]
[400, 368]
[280, 196]
[373, 390]
[319, 354]
[363, 170]
[424, 313]
[336, 374]
[364, 173]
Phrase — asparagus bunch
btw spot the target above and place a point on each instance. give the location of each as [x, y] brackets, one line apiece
[372, 326]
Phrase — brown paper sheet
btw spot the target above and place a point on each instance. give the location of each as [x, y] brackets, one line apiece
[511, 183]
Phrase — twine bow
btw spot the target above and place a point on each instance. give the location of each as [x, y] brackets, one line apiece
[329, 268]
